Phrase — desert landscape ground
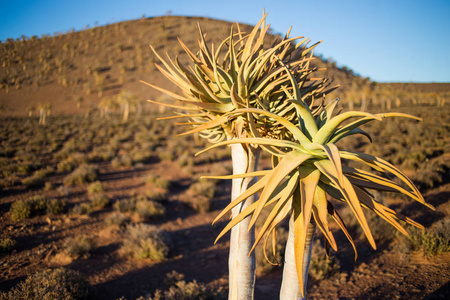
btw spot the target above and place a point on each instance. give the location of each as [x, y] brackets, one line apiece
[91, 181]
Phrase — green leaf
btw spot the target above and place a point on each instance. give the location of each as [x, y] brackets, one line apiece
[327, 131]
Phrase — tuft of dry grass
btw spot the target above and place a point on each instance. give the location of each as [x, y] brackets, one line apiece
[199, 195]
[79, 246]
[143, 241]
[85, 173]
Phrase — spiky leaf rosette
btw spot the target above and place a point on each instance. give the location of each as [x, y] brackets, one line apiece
[308, 170]
[241, 73]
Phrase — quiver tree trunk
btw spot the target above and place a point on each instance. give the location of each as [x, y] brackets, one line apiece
[290, 289]
[126, 111]
[241, 266]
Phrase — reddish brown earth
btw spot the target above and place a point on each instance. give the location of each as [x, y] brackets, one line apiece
[376, 274]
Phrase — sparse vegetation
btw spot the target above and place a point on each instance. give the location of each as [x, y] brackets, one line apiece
[79, 246]
[199, 195]
[83, 174]
[322, 266]
[430, 243]
[117, 219]
[82, 209]
[143, 241]
[7, 245]
[157, 181]
[36, 205]
[178, 288]
[50, 284]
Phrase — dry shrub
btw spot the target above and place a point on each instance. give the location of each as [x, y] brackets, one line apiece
[149, 210]
[36, 205]
[322, 266]
[123, 160]
[117, 219]
[75, 159]
[50, 284]
[95, 188]
[34, 181]
[55, 206]
[82, 209]
[99, 200]
[431, 241]
[145, 241]
[83, 174]
[20, 210]
[125, 205]
[157, 181]
[141, 207]
[7, 245]
[199, 195]
[79, 246]
[156, 195]
[179, 289]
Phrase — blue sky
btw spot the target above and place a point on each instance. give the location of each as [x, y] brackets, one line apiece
[386, 40]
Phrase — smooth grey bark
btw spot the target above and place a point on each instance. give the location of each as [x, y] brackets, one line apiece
[241, 266]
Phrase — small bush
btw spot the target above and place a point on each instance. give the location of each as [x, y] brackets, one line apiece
[172, 278]
[117, 219]
[141, 155]
[199, 195]
[178, 289]
[51, 284]
[429, 242]
[55, 206]
[185, 160]
[166, 156]
[82, 209]
[99, 200]
[95, 188]
[7, 245]
[48, 186]
[205, 188]
[63, 190]
[149, 210]
[102, 153]
[183, 291]
[157, 181]
[125, 205]
[34, 181]
[80, 246]
[156, 195]
[322, 266]
[145, 241]
[21, 210]
[123, 160]
[83, 174]
[36, 205]
[75, 159]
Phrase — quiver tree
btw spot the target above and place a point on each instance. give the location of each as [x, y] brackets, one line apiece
[127, 101]
[106, 106]
[30, 110]
[242, 73]
[44, 111]
[308, 170]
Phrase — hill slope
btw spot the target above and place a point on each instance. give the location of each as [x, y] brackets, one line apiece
[87, 66]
